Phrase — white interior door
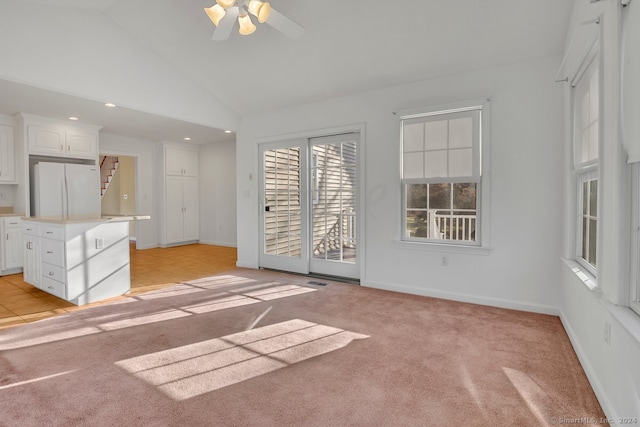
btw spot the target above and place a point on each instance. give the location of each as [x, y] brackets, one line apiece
[284, 206]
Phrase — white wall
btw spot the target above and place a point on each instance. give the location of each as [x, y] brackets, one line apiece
[522, 270]
[146, 170]
[613, 369]
[218, 220]
[85, 54]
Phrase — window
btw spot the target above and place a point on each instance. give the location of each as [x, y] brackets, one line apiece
[442, 175]
[586, 104]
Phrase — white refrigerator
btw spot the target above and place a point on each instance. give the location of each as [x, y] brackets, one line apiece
[66, 189]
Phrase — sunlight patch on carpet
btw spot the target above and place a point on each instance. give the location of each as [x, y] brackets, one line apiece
[533, 395]
[195, 369]
[35, 380]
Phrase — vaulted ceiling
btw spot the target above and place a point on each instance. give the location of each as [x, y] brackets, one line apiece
[157, 57]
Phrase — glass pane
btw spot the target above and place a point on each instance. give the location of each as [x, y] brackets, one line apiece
[593, 225]
[593, 199]
[585, 238]
[417, 196]
[461, 133]
[413, 166]
[440, 196]
[461, 162]
[464, 196]
[435, 164]
[585, 198]
[413, 137]
[417, 224]
[436, 135]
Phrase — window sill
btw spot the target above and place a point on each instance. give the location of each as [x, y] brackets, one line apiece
[442, 247]
[585, 276]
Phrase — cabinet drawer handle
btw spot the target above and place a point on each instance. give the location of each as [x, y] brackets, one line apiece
[49, 232]
[13, 223]
[49, 287]
[51, 273]
[49, 252]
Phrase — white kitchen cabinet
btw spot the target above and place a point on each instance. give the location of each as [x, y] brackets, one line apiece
[181, 162]
[7, 154]
[31, 253]
[79, 261]
[62, 141]
[11, 245]
[182, 217]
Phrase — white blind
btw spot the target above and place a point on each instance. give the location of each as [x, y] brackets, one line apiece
[442, 147]
[587, 117]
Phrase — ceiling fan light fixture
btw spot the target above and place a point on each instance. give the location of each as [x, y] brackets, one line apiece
[260, 10]
[215, 13]
[246, 26]
[226, 4]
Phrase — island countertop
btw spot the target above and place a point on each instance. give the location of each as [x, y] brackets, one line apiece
[76, 219]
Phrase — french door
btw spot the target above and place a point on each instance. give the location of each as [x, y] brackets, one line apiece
[309, 205]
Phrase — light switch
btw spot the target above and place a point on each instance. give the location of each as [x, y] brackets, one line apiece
[99, 243]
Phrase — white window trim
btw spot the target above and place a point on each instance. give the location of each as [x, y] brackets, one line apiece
[482, 244]
[584, 171]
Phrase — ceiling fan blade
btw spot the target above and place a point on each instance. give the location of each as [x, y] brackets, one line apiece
[285, 25]
[226, 24]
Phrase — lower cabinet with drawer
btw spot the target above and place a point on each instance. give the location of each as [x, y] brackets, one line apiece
[11, 245]
[80, 261]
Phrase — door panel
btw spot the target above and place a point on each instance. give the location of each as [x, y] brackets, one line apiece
[334, 205]
[283, 225]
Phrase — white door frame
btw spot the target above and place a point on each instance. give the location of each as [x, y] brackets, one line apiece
[361, 220]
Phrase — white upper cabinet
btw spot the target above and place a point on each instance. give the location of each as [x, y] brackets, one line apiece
[46, 140]
[7, 154]
[83, 145]
[180, 162]
[62, 141]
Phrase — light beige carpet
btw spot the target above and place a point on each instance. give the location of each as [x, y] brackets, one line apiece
[256, 348]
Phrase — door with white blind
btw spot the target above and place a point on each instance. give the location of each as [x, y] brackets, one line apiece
[284, 222]
[309, 206]
[334, 219]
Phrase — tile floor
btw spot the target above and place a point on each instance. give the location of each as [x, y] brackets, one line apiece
[156, 268]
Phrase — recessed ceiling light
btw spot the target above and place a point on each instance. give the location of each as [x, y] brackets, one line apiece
[227, 131]
[110, 105]
[186, 138]
[73, 118]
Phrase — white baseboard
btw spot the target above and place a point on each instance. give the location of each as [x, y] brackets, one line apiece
[601, 395]
[243, 265]
[217, 243]
[473, 299]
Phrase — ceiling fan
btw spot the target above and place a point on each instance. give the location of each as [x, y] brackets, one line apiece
[225, 13]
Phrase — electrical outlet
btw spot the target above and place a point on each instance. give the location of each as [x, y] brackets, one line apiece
[607, 332]
[445, 261]
[125, 196]
[99, 243]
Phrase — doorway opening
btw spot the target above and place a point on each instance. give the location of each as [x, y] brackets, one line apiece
[118, 187]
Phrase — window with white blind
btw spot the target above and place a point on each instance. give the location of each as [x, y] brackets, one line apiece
[586, 103]
[442, 175]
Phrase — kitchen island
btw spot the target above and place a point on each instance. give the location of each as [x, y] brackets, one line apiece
[81, 259]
